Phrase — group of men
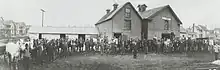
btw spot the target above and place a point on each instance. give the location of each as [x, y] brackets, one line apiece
[42, 50]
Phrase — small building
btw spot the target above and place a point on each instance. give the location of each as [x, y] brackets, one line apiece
[62, 32]
[142, 23]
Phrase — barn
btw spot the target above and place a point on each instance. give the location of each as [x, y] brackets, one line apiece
[62, 32]
[144, 23]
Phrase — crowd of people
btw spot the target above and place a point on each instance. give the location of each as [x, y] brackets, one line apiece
[40, 51]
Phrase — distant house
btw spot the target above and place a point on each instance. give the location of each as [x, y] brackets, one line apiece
[143, 23]
[183, 32]
[9, 28]
[199, 31]
[211, 34]
[217, 32]
[62, 32]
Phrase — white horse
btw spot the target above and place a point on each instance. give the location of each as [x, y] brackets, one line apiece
[12, 53]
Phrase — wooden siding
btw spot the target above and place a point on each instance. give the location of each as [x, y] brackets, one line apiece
[156, 26]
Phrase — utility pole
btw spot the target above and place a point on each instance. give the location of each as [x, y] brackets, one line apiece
[193, 27]
[42, 17]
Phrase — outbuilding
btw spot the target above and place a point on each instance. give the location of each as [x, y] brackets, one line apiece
[62, 32]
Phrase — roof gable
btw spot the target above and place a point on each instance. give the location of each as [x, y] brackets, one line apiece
[203, 27]
[148, 14]
[153, 12]
[111, 14]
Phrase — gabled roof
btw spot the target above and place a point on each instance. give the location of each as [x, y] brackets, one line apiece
[153, 12]
[143, 15]
[111, 14]
[148, 13]
[182, 29]
[202, 27]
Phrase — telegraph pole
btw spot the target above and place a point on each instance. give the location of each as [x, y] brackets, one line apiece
[42, 17]
[193, 27]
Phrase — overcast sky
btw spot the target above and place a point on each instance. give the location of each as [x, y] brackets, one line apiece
[84, 12]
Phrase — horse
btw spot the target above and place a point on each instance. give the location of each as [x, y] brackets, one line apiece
[14, 53]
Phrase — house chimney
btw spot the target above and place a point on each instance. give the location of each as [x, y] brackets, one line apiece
[115, 6]
[142, 7]
[108, 10]
[193, 27]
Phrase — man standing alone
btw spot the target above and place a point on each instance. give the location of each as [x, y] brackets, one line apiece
[27, 57]
[216, 50]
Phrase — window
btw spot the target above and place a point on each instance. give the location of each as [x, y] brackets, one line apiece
[21, 27]
[20, 31]
[166, 25]
[8, 26]
[127, 25]
[200, 36]
[127, 12]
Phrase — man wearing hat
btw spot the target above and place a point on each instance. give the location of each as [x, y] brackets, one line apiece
[216, 50]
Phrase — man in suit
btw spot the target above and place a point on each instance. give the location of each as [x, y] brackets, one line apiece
[216, 50]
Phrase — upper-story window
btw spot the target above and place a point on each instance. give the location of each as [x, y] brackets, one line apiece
[127, 25]
[166, 25]
[128, 12]
[21, 27]
[8, 26]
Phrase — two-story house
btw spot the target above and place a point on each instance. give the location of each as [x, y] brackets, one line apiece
[22, 28]
[142, 23]
[199, 31]
[10, 28]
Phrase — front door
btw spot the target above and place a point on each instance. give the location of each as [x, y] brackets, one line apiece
[63, 36]
[40, 36]
[83, 36]
[117, 35]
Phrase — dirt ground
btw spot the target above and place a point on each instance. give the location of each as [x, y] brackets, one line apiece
[190, 61]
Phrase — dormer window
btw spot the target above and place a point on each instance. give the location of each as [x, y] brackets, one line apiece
[8, 26]
[128, 12]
